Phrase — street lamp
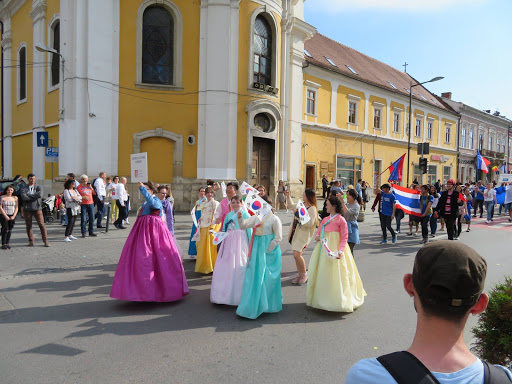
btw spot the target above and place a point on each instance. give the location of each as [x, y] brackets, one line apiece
[44, 48]
[410, 121]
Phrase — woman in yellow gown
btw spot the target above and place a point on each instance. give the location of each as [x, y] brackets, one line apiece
[334, 282]
[206, 251]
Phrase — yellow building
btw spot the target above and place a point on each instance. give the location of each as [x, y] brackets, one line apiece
[200, 85]
[355, 119]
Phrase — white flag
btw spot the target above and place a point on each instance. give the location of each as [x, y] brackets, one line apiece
[218, 237]
[246, 188]
[330, 254]
[257, 205]
[303, 212]
[223, 186]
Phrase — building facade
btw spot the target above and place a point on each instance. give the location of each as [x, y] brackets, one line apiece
[483, 131]
[203, 86]
[355, 119]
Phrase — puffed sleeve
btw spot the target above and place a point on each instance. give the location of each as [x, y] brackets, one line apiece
[277, 228]
[343, 228]
[251, 222]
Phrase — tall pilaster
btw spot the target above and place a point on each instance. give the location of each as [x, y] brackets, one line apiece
[7, 99]
[218, 87]
[38, 15]
[284, 132]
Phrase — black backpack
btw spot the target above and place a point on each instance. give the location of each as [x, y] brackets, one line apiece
[407, 369]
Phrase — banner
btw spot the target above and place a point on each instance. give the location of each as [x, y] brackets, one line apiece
[257, 205]
[303, 213]
[505, 178]
[139, 167]
[408, 200]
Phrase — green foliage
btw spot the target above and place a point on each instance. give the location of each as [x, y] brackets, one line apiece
[494, 329]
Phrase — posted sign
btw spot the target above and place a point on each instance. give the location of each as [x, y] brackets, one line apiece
[505, 178]
[139, 166]
[52, 154]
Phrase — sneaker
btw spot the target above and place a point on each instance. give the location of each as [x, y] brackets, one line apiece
[92, 235]
[455, 238]
[83, 234]
[416, 234]
[4, 246]
[433, 235]
[423, 241]
[486, 221]
[47, 244]
[72, 237]
[397, 231]
[296, 280]
[393, 239]
[303, 278]
[409, 234]
[384, 242]
[467, 230]
[67, 240]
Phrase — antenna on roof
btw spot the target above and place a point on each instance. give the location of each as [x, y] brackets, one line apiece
[405, 65]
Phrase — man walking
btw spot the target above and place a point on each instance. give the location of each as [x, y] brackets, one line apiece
[479, 199]
[101, 193]
[31, 195]
[87, 206]
[446, 286]
[448, 206]
[387, 213]
[122, 200]
[325, 185]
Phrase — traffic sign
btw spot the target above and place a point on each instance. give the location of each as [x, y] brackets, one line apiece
[42, 139]
[52, 154]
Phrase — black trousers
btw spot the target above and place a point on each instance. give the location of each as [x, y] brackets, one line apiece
[385, 223]
[122, 213]
[7, 226]
[425, 221]
[479, 203]
[71, 222]
[450, 226]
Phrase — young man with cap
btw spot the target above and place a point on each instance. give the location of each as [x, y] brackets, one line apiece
[387, 213]
[446, 286]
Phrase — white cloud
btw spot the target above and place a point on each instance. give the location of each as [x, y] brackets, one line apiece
[388, 5]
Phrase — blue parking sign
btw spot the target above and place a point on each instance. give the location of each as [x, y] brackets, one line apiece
[52, 154]
[42, 139]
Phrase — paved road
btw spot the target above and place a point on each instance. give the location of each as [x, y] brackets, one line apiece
[58, 324]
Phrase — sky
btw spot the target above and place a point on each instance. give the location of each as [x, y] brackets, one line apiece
[469, 42]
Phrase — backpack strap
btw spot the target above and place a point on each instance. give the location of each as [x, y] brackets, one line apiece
[407, 369]
[494, 374]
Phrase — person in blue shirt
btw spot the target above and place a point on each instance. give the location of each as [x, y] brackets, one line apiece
[387, 213]
[426, 201]
[442, 314]
[479, 199]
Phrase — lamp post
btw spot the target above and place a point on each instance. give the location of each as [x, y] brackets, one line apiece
[410, 121]
[44, 48]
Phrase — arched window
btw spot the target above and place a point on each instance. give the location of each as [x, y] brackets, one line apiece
[157, 46]
[55, 72]
[262, 51]
[22, 74]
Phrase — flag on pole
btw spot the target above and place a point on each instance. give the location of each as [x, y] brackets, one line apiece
[408, 200]
[503, 169]
[495, 168]
[482, 162]
[396, 169]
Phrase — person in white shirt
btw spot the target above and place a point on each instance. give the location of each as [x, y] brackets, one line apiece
[489, 201]
[508, 201]
[101, 193]
[122, 199]
[115, 211]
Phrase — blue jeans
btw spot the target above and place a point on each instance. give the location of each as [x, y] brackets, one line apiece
[99, 213]
[87, 210]
[489, 207]
[433, 224]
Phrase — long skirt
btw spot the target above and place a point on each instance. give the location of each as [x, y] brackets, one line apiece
[334, 285]
[228, 276]
[262, 282]
[192, 249]
[206, 251]
[150, 268]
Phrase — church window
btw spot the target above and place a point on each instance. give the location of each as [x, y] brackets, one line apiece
[262, 51]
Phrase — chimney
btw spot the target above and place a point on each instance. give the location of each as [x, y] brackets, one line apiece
[487, 111]
[446, 95]
[497, 113]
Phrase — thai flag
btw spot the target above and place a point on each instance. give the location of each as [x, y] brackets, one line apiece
[396, 169]
[482, 162]
[408, 200]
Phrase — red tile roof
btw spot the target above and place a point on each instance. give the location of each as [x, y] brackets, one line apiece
[368, 69]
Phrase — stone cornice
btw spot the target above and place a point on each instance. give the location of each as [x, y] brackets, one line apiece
[302, 29]
[9, 8]
[484, 117]
[38, 10]
[7, 40]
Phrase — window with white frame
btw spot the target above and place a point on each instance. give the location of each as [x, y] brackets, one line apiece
[498, 144]
[463, 137]
[480, 141]
[55, 44]
[447, 174]
[311, 102]
[471, 139]
[430, 125]
[352, 112]
[396, 122]
[418, 127]
[159, 45]
[491, 139]
[22, 73]
[448, 133]
[377, 118]
[503, 145]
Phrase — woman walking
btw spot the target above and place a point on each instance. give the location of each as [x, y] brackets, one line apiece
[301, 234]
[228, 276]
[281, 197]
[150, 268]
[334, 282]
[192, 249]
[350, 212]
[9, 210]
[489, 201]
[72, 200]
[262, 282]
[426, 201]
[433, 218]
[469, 207]
[206, 251]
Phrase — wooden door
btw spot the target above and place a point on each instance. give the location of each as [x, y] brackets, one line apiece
[262, 161]
[310, 176]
